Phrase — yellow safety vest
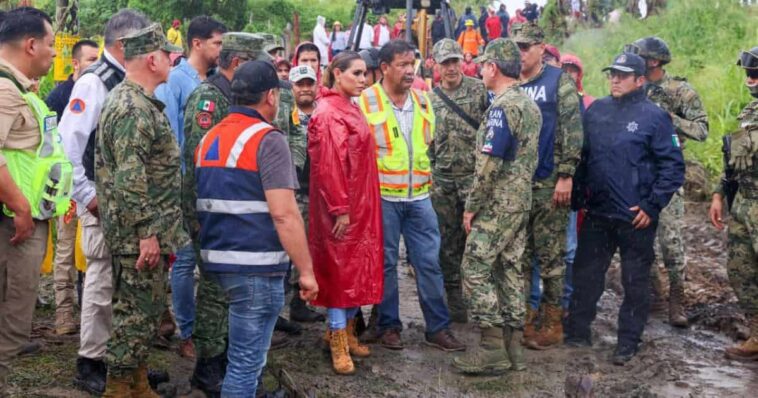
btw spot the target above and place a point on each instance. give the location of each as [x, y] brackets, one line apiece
[404, 168]
[44, 177]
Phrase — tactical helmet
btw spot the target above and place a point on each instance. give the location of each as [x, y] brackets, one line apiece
[370, 57]
[650, 48]
[749, 59]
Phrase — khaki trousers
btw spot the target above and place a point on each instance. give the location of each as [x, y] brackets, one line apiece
[64, 272]
[19, 279]
[97, 293]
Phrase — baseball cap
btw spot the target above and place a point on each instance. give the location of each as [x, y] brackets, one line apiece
[500, 49]
[628, 63]
[301, 72]
[370, 57]
[249, 44]
[446, 49]
[529, 33]
[147, 40]
[255, 77]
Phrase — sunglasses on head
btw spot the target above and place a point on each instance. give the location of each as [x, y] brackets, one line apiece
[524, 46]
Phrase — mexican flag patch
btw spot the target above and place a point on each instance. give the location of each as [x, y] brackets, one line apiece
[675, 140]
[206, 106]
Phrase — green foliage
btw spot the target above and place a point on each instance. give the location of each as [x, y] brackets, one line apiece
[705, 38]
[273, 15]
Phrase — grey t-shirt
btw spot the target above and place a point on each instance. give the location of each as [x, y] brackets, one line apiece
[275, 164]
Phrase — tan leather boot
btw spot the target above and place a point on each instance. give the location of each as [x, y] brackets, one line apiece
[677, 316]
[65, 323]
[748, 350]
[529, 327]
[118, 387]
[355, 346]
[141, 386]
[551, 332]
[341, 361]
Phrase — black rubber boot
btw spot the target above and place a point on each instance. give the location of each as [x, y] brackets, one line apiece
[90, 375]
[288, 327]
[299, 311]
[208, 376]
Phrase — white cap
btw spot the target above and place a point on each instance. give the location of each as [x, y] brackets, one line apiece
[301, 72]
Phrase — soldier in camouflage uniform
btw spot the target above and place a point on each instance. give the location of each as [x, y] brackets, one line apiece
[273, 44]
[742, 264]
[497, 215]
[138, 182]
[206, 106]
[453, 157]
[678, 98]
[560, 143]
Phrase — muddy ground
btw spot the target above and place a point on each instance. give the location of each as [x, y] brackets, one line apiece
[672, 362]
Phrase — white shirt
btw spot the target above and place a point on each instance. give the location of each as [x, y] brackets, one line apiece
[384, 35]
[321, 40]
[75, 128]
[367, 37]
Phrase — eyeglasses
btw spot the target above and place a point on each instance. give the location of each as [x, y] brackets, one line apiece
[617, 74]
[524, 46]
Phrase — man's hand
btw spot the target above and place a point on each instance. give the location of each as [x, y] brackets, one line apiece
[308, 287]
[92, 207]
[149, 253]
[468, 217]
[24, 225]
[340, 226]
[716, 211]
[642, 220]
[562, 194]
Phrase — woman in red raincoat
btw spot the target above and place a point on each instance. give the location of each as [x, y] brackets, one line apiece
[345, 231]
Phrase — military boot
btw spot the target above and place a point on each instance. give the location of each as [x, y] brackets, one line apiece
[65, 323]
[677, 316]
[512, 341]
[748, 350]
[489, 358]
[529, 324]
[551, 332]
[118, 386]
[140, 385]
[299, 311]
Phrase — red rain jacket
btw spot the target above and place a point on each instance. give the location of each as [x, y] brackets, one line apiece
[344, 180]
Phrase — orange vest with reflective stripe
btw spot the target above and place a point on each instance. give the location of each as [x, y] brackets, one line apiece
[404, 167]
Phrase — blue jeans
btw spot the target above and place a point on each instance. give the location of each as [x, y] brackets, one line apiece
[254, 304]
[183, 290]
[338, 317]
[417, 222]
[536, 293]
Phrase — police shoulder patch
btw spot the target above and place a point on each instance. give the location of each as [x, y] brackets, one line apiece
[204, 119]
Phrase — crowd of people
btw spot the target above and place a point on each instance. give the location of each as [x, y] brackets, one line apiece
[510, 187]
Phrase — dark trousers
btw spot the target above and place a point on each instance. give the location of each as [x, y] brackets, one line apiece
[598, 240]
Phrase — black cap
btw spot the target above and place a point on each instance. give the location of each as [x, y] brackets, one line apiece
[629, 63]
[254, 77]
[370, 57]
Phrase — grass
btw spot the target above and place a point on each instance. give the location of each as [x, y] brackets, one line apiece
[705, 38]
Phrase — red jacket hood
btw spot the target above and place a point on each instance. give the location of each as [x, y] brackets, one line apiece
[574, 60]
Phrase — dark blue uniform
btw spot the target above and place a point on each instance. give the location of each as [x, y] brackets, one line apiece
[631, 157]
[57, 99]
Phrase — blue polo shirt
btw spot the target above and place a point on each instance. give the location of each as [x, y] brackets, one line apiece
[182, 80]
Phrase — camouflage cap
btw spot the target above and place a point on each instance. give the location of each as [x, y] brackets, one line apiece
[147, 40]
[529, 33]
[500, 49]
[273, 42]
[446, 49]
[248, 43]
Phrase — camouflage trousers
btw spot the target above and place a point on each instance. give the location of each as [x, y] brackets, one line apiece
[139, 299]
[492, 276]
[211, 318]
[669, 235]
[742, 263]
[449, 200]
[546, 241]
[303, 203]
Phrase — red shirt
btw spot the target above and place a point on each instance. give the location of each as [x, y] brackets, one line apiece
[494, 27]
[470, 69]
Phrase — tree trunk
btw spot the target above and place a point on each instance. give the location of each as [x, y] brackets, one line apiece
[66, 16]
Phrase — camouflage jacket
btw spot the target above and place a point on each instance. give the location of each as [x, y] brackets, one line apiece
[206, 106]
[138, 173]
[286, 104]
[453, 150]
[298, 143]
[569, 132]
[506, 161]
[747, 179]
[678, 98]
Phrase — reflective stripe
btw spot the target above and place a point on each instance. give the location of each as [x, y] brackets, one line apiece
[243, 258]
[232, 206]
[397, 179]
[239, 144]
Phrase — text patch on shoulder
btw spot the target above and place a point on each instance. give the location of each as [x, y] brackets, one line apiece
[499, 140]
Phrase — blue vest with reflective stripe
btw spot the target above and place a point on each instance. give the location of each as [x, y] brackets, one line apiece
[237, 232]
[544, 91]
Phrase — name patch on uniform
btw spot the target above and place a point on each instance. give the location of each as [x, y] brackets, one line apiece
[499, 141]
[76, 106]
[204, 120]
[206, 106]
